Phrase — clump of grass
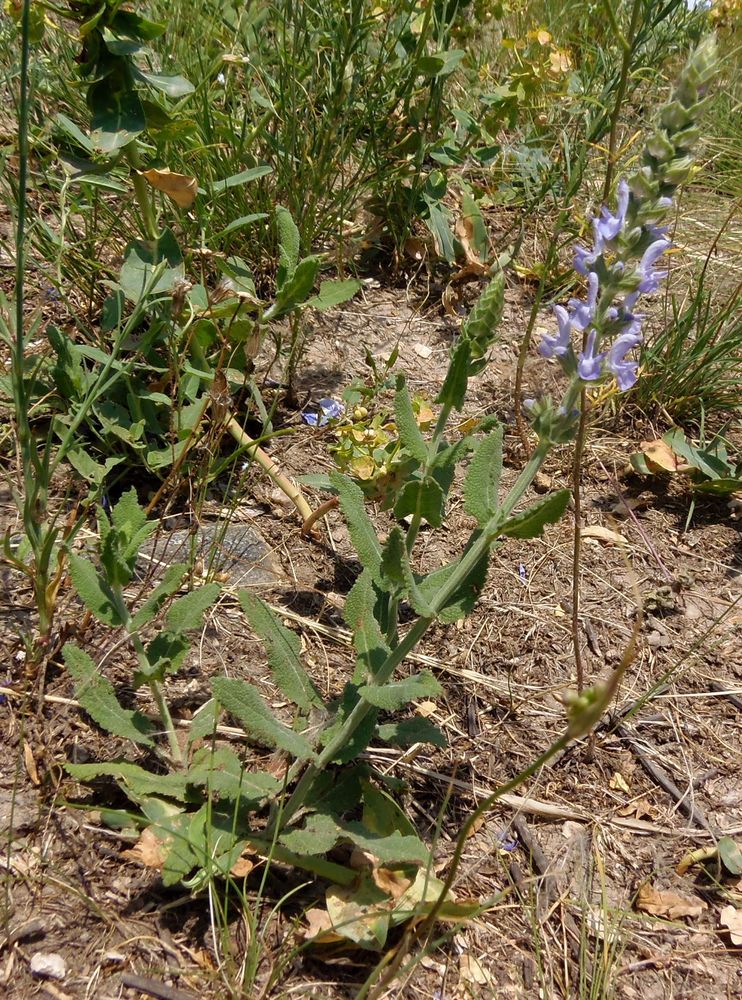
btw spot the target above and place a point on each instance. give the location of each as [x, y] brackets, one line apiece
[692, 367]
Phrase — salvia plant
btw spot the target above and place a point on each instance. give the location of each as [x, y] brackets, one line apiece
[200, 801]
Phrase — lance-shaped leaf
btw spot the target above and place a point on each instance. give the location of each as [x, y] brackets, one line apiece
[367, 638]
[283, 649]
[289, 243]
[171, 581]
[466, 595]
[295, 290]
[407, 426]
[453, 391]
[319, 835]
[483, 478]
[393, 696]
[188, 611]
[396, 570]
[97, 696]
[531, 522]
[361, 735]
[244, 702]
[94, 591]
[360, 528]
[136, 780]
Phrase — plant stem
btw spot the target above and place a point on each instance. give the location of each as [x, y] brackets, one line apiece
[141, 191]
[466, 564]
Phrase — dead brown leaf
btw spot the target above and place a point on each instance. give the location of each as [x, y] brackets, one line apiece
[665, 903]
[28, 760]
[731, 918]
[640, 808]
[619, 784]
[149, 850]
[661, 457]
[319, 927]
[471, 970]
[603, 535]
[180, 187]
[242, 867]
[393, 883]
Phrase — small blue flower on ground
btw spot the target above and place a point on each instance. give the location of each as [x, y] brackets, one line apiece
[329, 409]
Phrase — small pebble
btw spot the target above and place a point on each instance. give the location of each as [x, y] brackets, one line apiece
[48, 965]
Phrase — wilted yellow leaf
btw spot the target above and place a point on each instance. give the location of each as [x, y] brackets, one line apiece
[180, 187]
[618, 783]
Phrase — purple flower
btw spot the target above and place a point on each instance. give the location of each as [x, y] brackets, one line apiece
[607, 227]
[329, 409]
[649, 278]
[584, 260]
[590, 364]
[583, 313]
[559, 345]
[625, 371]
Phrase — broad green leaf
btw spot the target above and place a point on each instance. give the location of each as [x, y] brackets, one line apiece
[407, 426]
[466, 595]
[187, 612]
[94, 592]
[367, 638]
[336, 792]
[390, 848]
[171, 581]
[137, 781]
[319, 835]
[423, 497]
[173, 86]
[531, 522]
[391, 697]
[409, 731]
[141, 257]
[221, 772]
[244, 702]
[283, 649]
[131, 25]
[361, 530]
[182, 854]
[483, 479]
[289, 243]
[118, 117]
[95, 472]
[97, 696]
[453, 391]
[334, 293]
[382, 814]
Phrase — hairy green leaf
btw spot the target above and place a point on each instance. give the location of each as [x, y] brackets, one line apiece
[289, 243]
[222, 772]
[319, 835]
[396, 569]
[283, 648]
[164, 655]
[483, 479]
[296, 289]
[389, 848]
[334, 293]
[94, 592]
[361, 736]
[204, 721]
[393, 696]
[453, 390]
[136, 781]
[466, 595]
[423, 497]
[361, 530]
[407, 426]
[244, 702]
[97, 696]
[188, 611]
[409, 731]
[367, 638]
[531, 522]
[170, 582]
